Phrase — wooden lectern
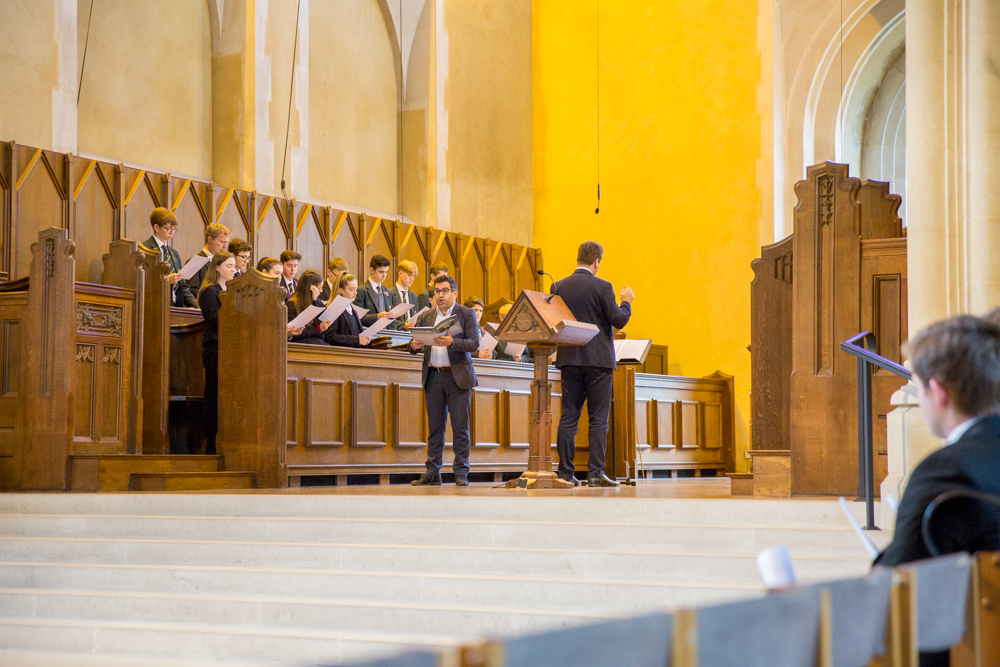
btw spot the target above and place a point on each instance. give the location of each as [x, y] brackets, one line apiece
[622, 441]
[542, 321]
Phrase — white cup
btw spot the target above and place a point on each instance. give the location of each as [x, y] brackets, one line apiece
[775, 566]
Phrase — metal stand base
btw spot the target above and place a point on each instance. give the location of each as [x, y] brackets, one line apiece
[539, 480]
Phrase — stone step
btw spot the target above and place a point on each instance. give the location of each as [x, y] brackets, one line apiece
[468, 622]
[190, 481]
[110, 472]
[748, 539]
[606, 595]
[569, 509]
[201, 641]
[582, 563]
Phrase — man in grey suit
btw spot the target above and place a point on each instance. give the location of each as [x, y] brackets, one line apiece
[448, 379]
[164, 224]
[373, 295]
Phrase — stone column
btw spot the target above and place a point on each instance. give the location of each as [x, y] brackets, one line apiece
[233, 93]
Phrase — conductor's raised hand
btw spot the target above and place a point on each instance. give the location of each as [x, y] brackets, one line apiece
[443, 341]
[627, 294]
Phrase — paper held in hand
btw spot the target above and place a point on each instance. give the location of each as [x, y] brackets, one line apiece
[335, 309]
[515, 349]
[487, 343]
[380, 324]
[426, 335]
[632, 350]
[400, 309]
[193, 266]
[414, 316]
[305, 317]
[360, 311]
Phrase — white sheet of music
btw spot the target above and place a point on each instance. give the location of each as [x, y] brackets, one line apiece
[380, 324]
[360, 311]
[632, 349]
[414, 316]
[515, 349]
[487, 342]
[400, 309]
[305, 317]
[193, 266]
[335, 309]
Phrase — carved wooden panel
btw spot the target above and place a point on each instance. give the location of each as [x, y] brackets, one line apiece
[410, 415]
[84, 393]
[557, 414]
[643, 421]
[369, 414]
[292, 405]
[273, 235]
[501, 270]
[145, 190]
[10, 376]
[234, 209]
[689, 424]
[309, 238]
[324, 412]
[191, 202]
[411, 244]
[656, 361]
[664, 413]
[472, 280]
[95, 220]
[487, 413]
[42, 192]
[97, 319]
[347, 241]
[379, 241]
[112, 377]
[518, 408]
[712, 418]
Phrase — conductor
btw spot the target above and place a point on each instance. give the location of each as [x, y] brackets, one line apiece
[588, 370]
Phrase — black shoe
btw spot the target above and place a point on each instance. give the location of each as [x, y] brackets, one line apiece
[572, 480]
[428, 479]
[461, 481]
[601, 480]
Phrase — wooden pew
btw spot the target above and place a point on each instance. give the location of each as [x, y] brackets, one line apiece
[296, 410]
[71, 374]
[843, 271]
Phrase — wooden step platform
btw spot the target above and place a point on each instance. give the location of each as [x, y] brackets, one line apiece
[190, 481]
[110, 472]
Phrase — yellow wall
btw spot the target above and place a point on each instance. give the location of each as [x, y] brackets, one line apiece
[679, 141]
[146, 95]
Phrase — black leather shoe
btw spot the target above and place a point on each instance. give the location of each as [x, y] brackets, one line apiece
[428, 479]
[601, 480]
[572, 480]
[461, 481]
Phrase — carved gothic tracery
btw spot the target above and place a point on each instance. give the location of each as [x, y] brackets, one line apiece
[98, 319]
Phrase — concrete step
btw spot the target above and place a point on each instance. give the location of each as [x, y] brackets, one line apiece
[813, 541]
[606, 595]
[190, 481]
[201, 641]
[110, 472]
[582, 563]
[467, 621]
[571, 509]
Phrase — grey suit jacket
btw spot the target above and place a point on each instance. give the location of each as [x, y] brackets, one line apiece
[464, 343]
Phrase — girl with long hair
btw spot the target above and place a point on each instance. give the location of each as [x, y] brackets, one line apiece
[221, 270]
[347, 328]
[307, 294]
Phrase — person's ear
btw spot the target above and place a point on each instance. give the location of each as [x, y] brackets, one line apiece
[939, 393]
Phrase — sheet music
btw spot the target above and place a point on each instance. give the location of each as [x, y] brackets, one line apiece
[487, 342]
[380, 324]
[335, 309]
[515, 349]
[193, 266]
[632, 349]
[400, 309]
[305, 317]
[360, 311]
[413, 318]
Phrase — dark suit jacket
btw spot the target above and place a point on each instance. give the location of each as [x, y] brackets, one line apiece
[592, 300]
[366, 299]
[327, 291]
[398, 299]
[194, 284]
[972, 463]
[283, 283]
[464, 343]
[345, 330]
[180, 294]
[424, 299]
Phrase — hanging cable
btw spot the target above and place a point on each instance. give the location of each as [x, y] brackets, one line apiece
[399, 116]
[291, 89]
[86, 43]
[598, 209]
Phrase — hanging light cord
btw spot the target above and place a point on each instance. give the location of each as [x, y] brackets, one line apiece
[291, 89]
[86, 43]
[598, 209]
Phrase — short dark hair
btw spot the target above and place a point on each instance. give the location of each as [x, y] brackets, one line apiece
[265, 264]
[162, 217]
[236, 246]
[289, 255]
[474, 301]
[963, 355]
[445, 278]
[378, 261]
[588, 253]
[438, 268]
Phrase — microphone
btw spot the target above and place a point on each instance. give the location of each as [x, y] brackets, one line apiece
[548, 299]
[598, 209]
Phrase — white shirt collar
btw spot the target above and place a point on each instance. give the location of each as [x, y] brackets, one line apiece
[960, 430]
[402, 291]
[440, 316]
[208, 252]
[160, 245]
[585, 268]
[375, 285]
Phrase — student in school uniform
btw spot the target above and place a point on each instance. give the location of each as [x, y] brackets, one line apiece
[336, 268]
[373, 295]
[477, 305]
[500, 351]
[425, 298]
[241, 250]
[289, 266]
[346, 329]
[164, 224]
[216, 240]
[269, 266]
[220, 271]
[401, 292]
[307, 294]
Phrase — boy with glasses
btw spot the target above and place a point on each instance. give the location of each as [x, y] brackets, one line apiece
[164, 224]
